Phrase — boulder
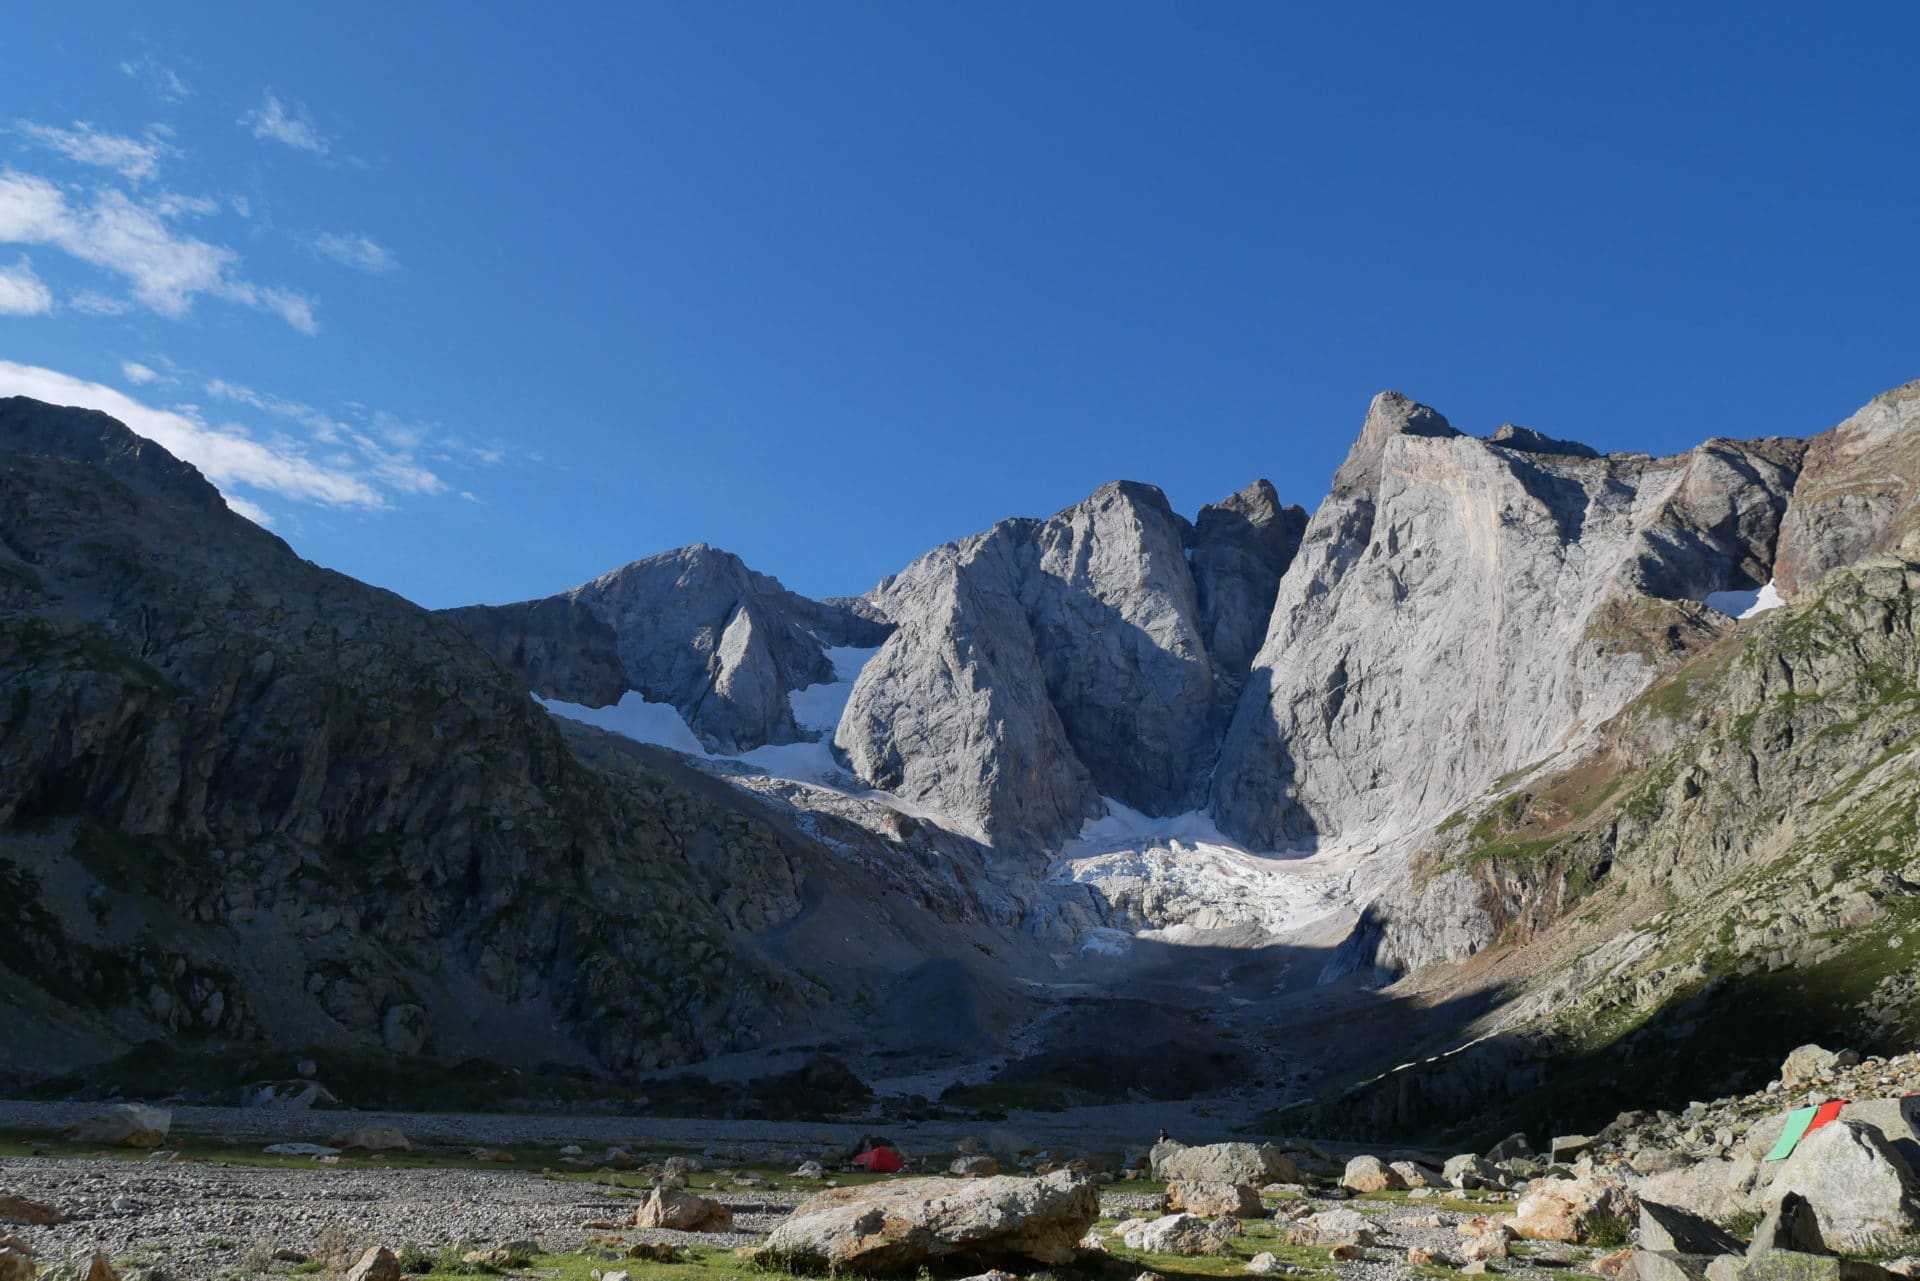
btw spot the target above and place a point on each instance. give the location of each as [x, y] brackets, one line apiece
[95, 1267]
[1858, 1187]
[38, 1214]
[1183, 1234]
[1667, 1265]
[1371, 1174]
[1514, 1145]
[1567, 1147]
[128, 1125]
[1715, 1188]
[1810, 1061]
[974, 1167]
[377, 1264]
[1224, 1163]
[810, 1170]
[883, 1227]
[1333, 1227]
[681, 1166]
[1789, 1224]
[1791, 1265]
[374, 1138]
[1469, 1171]
[1414, 1175]
[1666, 1229]
[1897, 1120]
[1572, 1209]
[682, 1212]
[1215, 1200]
[1264, 1263]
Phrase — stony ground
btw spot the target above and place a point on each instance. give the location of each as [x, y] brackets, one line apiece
[223, 1209]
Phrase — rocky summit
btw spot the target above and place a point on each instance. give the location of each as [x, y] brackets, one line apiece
[1476, 824]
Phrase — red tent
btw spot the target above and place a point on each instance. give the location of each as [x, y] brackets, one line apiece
[880, 1161]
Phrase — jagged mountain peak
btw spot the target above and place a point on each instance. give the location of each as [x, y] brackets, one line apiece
[1527, 440]
[1390, 414]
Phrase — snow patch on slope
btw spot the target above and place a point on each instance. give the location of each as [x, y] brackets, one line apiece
[820, 707]
[809, 764]
[659, 724]
[1745, 604]
[1175, 877]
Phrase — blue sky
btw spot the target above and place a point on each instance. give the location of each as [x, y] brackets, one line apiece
[474, 302]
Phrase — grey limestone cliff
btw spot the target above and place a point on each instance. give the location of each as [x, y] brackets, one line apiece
[1042, 665]
[1461, 607]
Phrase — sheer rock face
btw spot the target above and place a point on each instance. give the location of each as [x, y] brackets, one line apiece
[692, 627]
[1460, 607]
[1043, 664]
[1857, 492]
[1239, 549]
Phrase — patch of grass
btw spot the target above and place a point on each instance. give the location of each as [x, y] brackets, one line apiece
[1608, 1231]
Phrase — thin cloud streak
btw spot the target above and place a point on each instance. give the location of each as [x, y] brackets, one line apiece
[165, 269]
[361, 253]
[135, 159]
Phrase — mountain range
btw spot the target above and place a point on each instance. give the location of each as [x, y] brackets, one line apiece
[1514, 770]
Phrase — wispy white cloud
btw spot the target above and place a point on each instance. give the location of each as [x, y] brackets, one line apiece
[228, 453]
[272, 121]
[165, 269]
[391, 461]
[171, 204]
[362, 253]
[22, 292]
[138, 374]
[92, 302]
[165, 82]
[135, 159]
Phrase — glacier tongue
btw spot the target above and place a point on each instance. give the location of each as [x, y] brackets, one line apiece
[1172, 877]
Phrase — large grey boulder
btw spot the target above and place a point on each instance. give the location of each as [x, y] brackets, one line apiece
[1371, 1174]
[1330, 1228]
[1671, 1230]
[1470, 1170]
[1791, 1265]
[127, 1125]
[1860, 1190]
[1715, 1188]
[1258, 1164]
[1669, 1265]
[1789, 1224]
[1183, 1234]
[1215, 1200]
[1810, 1061]
[887, 1227]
